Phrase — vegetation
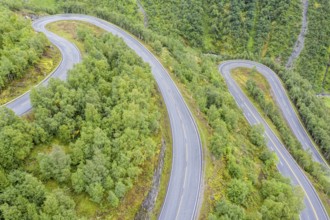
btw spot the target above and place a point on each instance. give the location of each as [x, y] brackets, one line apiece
[34, 75]
[20, 47]
[131, 203]
[33, 6]
[69, 30]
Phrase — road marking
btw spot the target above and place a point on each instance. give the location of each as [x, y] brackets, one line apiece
[186, 154]
[185, 172]
[186, 161]
[280, 162]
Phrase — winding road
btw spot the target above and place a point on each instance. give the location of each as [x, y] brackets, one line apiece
[182, 200]
[287, 166]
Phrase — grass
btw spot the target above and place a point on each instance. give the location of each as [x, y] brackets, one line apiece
[132, 201]
[34, 75]
[241, 75]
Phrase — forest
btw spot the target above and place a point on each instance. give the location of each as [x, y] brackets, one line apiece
[242, 178]
[264, 28]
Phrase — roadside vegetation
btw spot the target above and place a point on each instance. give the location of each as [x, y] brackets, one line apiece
[69, 30]
[25, 56]
[50, 59]
[312, 110]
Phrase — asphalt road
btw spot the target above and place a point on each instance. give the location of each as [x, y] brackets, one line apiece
[287, 165]
[183, 194]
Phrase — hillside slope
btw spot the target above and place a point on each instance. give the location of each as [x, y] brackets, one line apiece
[262, 28]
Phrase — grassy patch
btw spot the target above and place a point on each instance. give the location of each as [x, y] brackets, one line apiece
[48, 62]
[213, 188]
[84, 206]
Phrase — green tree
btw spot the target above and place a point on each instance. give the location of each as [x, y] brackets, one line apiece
[58, 206]
[77, 180]
[226, 210]
[22, 197]
[120, 190]
[113, 199]
[280, 200]
[55, 165]
[96, 191]
[238, 191]
[256, 135]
